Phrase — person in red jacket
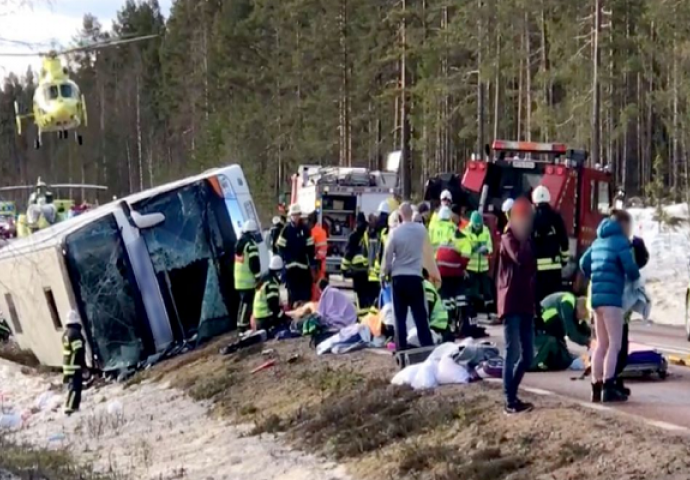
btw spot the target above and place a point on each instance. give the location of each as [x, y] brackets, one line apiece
[517, 269]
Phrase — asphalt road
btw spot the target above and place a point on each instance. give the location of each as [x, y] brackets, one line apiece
[653, 399]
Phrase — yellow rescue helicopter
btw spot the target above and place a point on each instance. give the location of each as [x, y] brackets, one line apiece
[58, 105]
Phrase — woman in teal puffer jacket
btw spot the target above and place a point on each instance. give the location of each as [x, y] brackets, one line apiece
[606, 264]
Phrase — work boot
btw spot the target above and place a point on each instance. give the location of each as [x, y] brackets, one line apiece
[596, 392]
[621, 387]
[612, 394]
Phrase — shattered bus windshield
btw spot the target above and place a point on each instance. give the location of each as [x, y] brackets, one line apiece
[99, 269]
[184, 251]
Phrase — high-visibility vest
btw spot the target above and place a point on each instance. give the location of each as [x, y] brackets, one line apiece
[269, 289]
[551, 313]
[360, 260]
[479, 263]
[244, 278]
[441, 232]
[438, 316]
[453, 253]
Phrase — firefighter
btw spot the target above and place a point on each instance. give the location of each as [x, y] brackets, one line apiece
[268, 314]
[277, 226]
[383, 212]
[446, 201]
[5, 332]
[562, 314]
[438, 315]
[479, 288]
[355, 264]
[247, 272]
[320, 237]
[296, 247]
[550, 244]
[453, 252]
[73, 361]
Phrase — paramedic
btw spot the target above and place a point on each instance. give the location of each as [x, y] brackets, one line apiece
[274, 233]
[247, 272]
[296, 247]
[641, 257]
[550, 243]
[515, 286]
[480, 289]
[452, 256]
[320, 237]
[438, 315]
[268, 313]
[446, 201]
[562, 314]
[608, 263]
[355, 264]
[73, 361]
[408, 246]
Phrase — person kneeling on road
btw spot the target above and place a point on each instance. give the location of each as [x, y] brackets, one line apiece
[268, 313]
[438, 315]
[562, 314]
[517, 268]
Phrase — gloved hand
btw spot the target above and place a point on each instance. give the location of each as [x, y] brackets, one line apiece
[484, 250]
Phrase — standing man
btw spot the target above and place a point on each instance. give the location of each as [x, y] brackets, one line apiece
[404, 257]
[296, 247]
[355, 264]
[550, 243]
[480, 288]
[274, 234]
[247, 272]
[446, 201]
[515, 285]
[320, 237]
[73, 361]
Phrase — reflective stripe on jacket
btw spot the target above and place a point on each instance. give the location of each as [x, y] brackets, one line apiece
[73, 348]
[479, 262]
[356, 259]
[267, 294]
[438, 316]
[245, 278]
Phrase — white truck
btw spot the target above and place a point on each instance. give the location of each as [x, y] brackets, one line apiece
[337, 195]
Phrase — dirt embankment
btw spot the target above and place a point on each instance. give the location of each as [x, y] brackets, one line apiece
[344, 408]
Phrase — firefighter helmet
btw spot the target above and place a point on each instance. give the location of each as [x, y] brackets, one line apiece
[541, 195]
[446, 195]
[276, 263]
[72, 318]
[444, 213]
[249, 226]
[276, 220]
[295, 209]
[384, 207]
[507, 205]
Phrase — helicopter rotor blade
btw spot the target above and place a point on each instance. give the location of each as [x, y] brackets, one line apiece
[78, 185]
[108, 43]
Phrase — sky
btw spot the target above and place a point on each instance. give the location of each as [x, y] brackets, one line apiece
[50, 22]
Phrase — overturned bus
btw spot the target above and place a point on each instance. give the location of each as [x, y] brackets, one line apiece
[146, 273]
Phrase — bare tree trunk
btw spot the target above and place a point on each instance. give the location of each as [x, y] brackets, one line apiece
[497, 83]
[546, 132]
[406, 167]
[528, 80]
[675, 145]
[596, 90]
[480, 80]
[140, 154]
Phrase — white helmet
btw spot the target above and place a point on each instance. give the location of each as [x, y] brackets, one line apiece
[249, 226]
[276, 220]
[72, 318]
[446, 195]
[384, 207]
[507, 205]
[444, 213]
[295, 209]
[276, 263]
[541, 195]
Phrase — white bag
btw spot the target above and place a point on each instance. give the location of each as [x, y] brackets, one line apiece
[406, 375]
[449, 373]
[447, 349]
[425, 378]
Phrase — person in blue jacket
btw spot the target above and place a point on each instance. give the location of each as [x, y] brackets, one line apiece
[606, 264]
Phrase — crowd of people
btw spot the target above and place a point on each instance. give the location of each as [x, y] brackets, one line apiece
[437, 263]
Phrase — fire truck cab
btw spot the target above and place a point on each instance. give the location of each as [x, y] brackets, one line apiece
[512, 169]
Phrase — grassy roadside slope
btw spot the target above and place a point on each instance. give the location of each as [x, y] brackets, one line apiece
[344, 408]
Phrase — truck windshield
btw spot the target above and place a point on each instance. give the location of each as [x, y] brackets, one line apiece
[506, 181]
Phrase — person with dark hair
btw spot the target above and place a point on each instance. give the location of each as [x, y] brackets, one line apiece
[607, 264]
[355, 264]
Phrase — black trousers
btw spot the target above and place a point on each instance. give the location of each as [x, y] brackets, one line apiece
[244, 313]
[622, 361]
[363, 288]
[547, 282]
[408, 293]
[298, 283]
[74, 387]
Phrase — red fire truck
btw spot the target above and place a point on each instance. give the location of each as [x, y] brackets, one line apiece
[510, 169]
